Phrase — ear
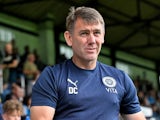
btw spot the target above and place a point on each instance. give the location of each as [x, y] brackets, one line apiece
[68, 38]
[103, 41]
[103, 38]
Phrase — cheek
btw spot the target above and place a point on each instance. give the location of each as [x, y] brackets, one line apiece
[78, 48]
[78, 44]
[100, 42]
[101, 39]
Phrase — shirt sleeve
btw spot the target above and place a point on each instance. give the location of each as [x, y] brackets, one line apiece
[130, 103]
[44, 91]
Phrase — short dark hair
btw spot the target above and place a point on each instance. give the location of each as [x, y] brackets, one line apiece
[90, 15]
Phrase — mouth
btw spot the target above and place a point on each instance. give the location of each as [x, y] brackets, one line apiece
[91, 50]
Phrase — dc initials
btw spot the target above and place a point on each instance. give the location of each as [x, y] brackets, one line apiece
[73, 90]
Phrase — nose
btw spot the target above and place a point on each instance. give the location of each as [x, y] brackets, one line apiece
[91, 39]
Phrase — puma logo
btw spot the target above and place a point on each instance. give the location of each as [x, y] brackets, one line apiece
[73, 83]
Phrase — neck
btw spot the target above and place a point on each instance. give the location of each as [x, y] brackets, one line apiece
[88, 65]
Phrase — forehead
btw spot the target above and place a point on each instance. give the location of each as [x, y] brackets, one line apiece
[84, 24]
[14, 112]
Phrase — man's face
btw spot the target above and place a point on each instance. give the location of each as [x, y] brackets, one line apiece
[17, 91]
[86, 40]
[8, 48]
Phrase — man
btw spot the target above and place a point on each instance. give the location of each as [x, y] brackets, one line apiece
[9, 67]
[83, 88]
[10, 61]
[31, 72]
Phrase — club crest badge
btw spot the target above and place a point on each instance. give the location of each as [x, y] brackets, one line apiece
[110, 84]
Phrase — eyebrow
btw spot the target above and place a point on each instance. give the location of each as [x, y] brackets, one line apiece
[89, 30]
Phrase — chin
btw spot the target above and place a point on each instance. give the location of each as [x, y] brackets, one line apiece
[92, 58]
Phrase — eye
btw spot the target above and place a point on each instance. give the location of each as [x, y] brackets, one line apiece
[97, 33]
[84, 33]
